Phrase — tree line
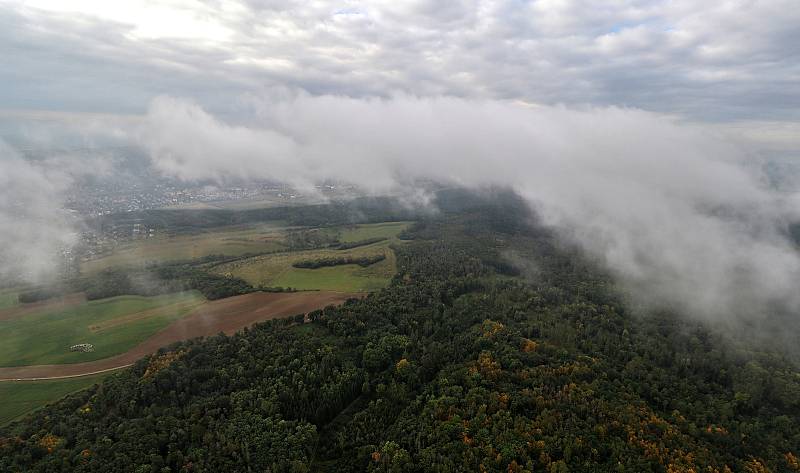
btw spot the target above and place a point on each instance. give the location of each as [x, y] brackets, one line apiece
[362, 261]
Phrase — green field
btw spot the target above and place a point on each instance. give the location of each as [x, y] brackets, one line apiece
[232, 241]
[276, 269]
[8, 298]
[112, 325]
[20, 397]
[345, 278]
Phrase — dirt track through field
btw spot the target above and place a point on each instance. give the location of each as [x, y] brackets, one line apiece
[226, 315]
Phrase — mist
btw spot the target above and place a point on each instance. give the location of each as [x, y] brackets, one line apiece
[34, 230]
[673, 210]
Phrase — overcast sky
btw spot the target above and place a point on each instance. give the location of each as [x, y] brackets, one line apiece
[712, 61]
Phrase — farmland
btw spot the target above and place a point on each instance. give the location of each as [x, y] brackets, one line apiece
[112, 325]
[8, 298]
[227, 315]
[207, 318]
[37, 336]
[277, 270]
[20, 397]
[231, 241]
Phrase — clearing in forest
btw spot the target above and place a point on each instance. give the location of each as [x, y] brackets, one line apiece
[277, 270]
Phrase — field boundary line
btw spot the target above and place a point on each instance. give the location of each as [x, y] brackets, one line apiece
[67, 376]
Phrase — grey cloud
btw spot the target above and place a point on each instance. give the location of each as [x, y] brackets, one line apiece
[668, 207]
[704, 60]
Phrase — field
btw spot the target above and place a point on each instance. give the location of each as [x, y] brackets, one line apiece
[225, 315]
[234, 241]
[277, 270]
[21, 397]
[8, 298]
[112, 325]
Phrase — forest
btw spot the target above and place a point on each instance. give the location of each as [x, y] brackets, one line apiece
[362, 261]
[468, 361]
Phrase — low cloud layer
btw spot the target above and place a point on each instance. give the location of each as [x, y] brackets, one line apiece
[670, 208]
[34, 230]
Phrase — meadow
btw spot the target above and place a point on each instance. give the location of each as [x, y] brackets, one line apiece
[112, 325]
[231, 241]
[8, 298]
[277, 270]
[21, 397]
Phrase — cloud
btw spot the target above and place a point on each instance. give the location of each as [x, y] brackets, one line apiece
[716, 61]
[670, 208]
[34, 230]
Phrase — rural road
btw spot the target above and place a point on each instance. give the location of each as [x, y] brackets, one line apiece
[225, 315]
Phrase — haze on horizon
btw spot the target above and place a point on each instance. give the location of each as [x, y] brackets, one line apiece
[638, 129]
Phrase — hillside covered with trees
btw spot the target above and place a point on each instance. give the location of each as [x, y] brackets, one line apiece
[469, 361]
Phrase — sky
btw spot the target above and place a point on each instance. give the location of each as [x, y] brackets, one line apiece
[716, 61]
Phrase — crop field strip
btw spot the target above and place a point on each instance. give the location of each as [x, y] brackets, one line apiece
[8, 298]
[224, 315]
[229, 241]
[44, 336]
[177, 308]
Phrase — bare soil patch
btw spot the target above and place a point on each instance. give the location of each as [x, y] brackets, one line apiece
[225, 315]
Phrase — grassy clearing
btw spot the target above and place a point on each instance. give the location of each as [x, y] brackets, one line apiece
[233, 241]
[276, 269]
[8, 298]
[112, 325]
[22, 397]
[346, 278]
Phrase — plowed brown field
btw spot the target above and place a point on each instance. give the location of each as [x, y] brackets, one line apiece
[225, 315]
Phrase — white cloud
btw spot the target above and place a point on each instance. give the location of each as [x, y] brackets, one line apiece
[149, 20]
[33, 229]
[703, 60]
